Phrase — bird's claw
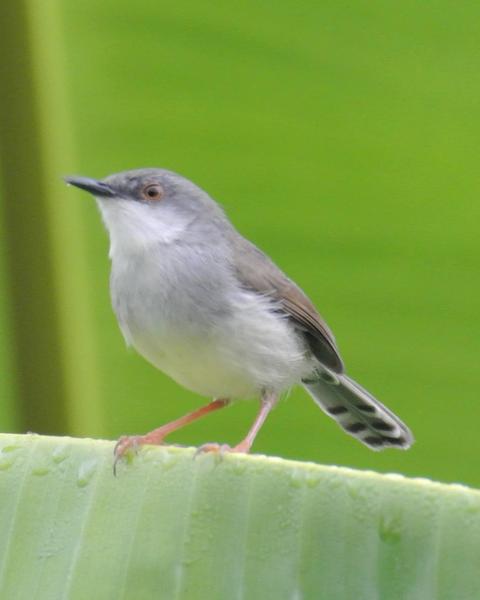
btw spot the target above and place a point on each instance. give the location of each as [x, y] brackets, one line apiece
[124, 444]
[222, 449]
[213, 448]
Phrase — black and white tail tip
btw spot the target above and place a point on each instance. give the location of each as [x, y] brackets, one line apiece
[358, 412]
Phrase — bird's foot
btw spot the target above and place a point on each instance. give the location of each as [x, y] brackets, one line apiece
[129, 443]
[213, 448]
[221, 449]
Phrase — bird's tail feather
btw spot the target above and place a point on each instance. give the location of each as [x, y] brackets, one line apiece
[358, 412]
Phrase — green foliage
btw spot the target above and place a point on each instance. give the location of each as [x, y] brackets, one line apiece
[7, 392]
[171, 526]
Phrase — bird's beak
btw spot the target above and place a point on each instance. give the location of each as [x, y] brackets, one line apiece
[95, 187]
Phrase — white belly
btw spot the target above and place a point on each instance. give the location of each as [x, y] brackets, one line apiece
[215, 340]
[234, 358]
[199, 365]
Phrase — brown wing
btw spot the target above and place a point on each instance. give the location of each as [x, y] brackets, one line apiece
[257, 272]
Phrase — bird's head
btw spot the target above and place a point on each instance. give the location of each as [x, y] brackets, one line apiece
[146, 206]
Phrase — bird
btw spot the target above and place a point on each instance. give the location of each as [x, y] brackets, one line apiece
[211, 310]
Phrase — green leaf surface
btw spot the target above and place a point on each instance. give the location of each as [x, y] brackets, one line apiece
[174, 526]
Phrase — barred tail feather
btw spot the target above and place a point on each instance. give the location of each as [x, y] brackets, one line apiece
[358, 412]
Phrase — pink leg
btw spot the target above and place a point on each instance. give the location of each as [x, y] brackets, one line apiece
[158, 435]
[267, 403]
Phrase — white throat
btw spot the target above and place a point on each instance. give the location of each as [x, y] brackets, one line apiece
[133, 227]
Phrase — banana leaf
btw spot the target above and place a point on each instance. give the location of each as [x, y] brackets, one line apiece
[176, 525]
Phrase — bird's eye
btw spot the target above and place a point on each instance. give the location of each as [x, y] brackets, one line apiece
[152, 192]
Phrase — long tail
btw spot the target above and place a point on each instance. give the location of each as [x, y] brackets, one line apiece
[358, 412]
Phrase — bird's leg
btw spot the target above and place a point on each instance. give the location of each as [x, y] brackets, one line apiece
[158, 435]
[267, 403]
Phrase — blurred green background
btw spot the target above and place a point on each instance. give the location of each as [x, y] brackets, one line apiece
[341, 137]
